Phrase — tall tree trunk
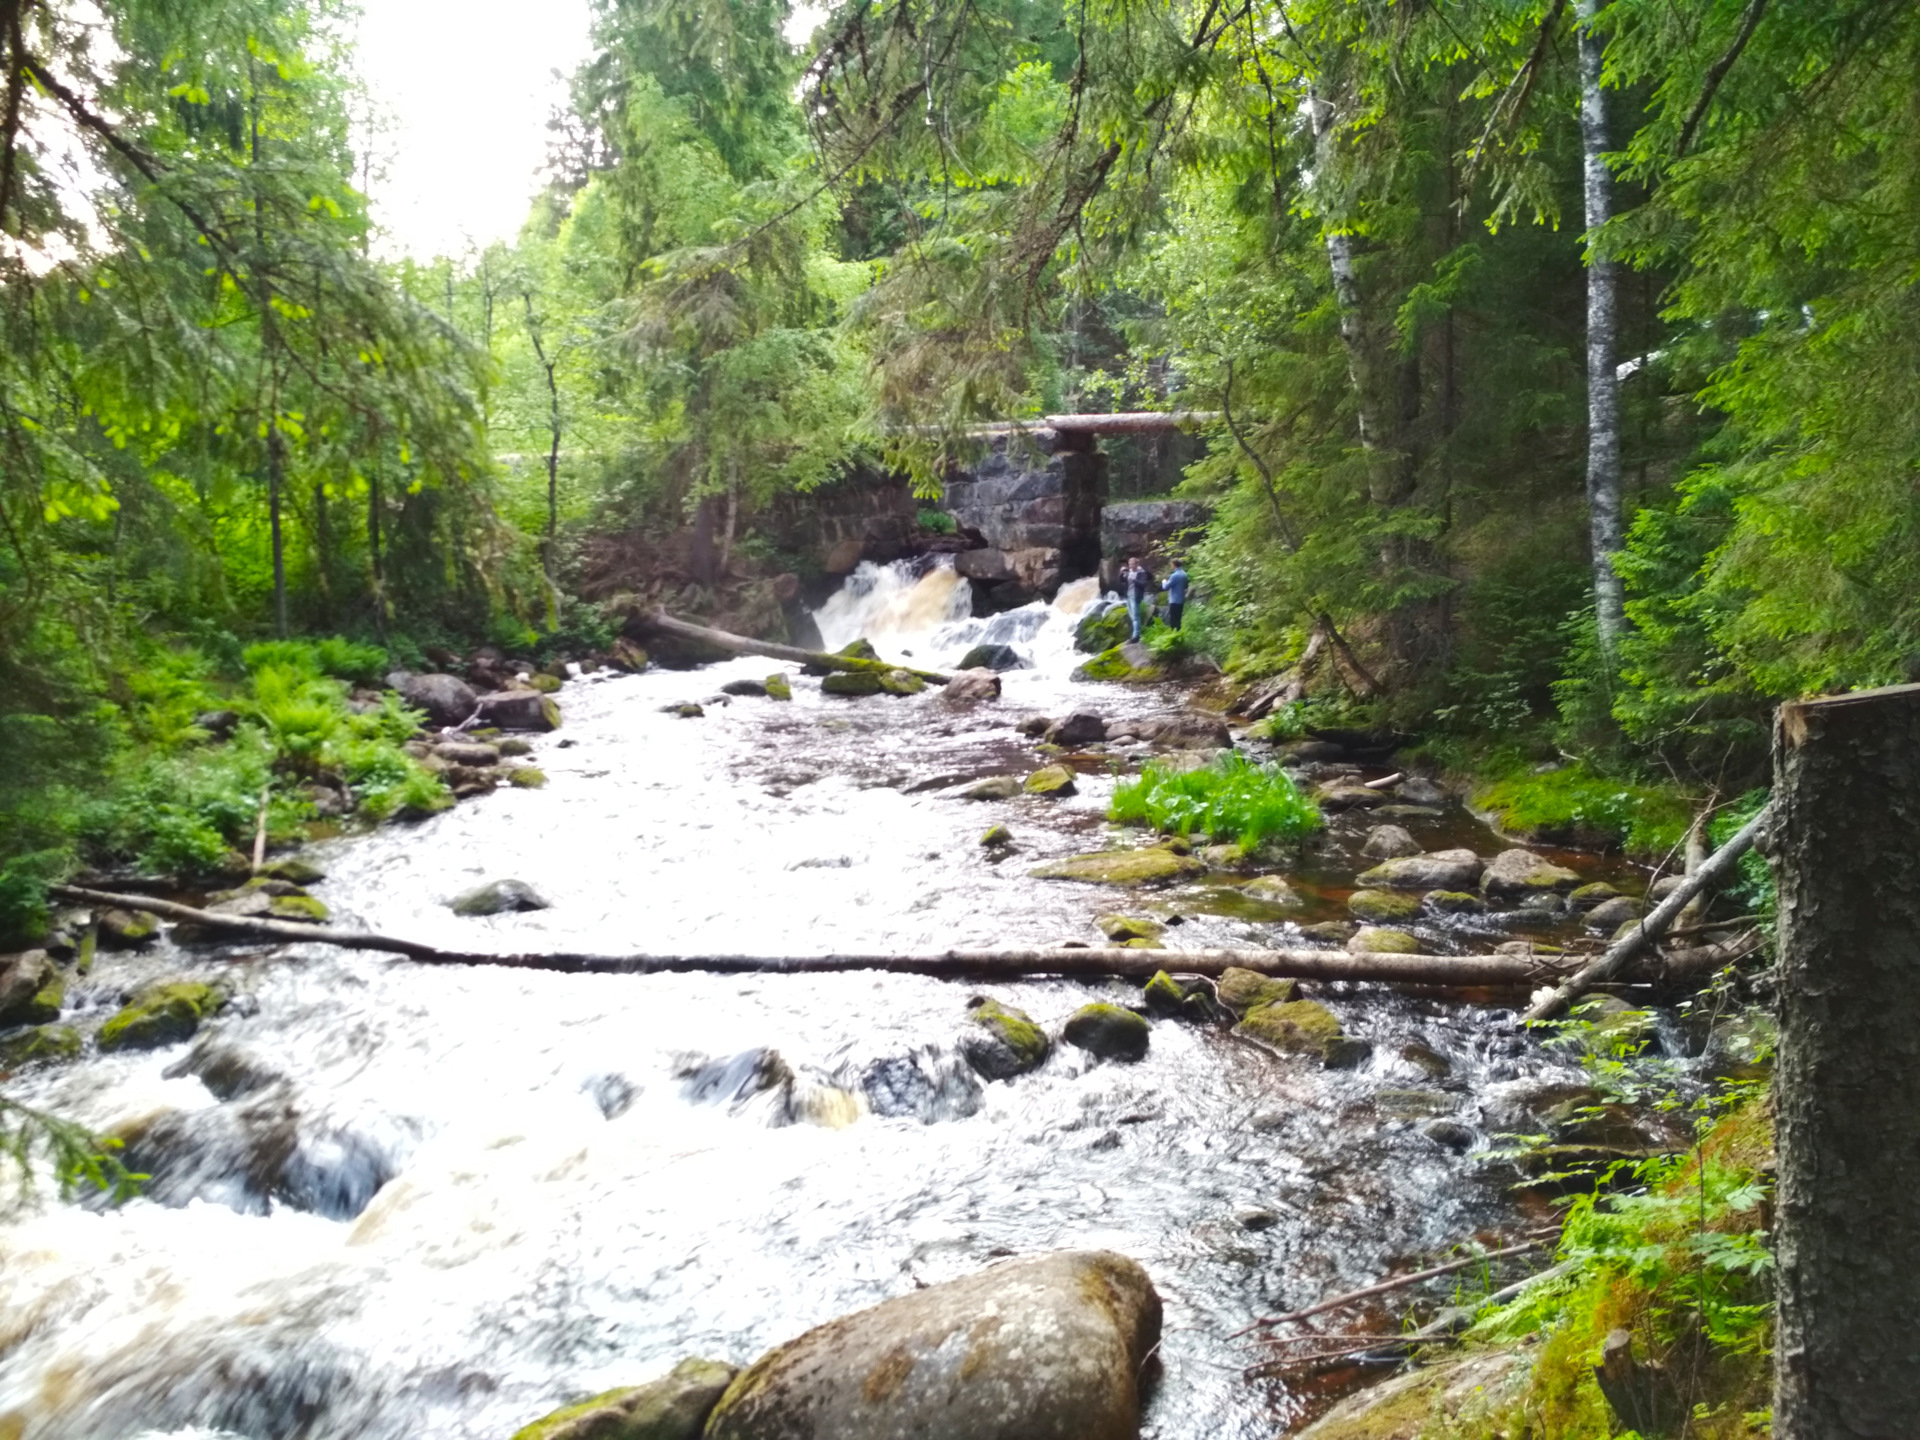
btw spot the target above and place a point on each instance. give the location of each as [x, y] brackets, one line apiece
[1346, 289]
[375, 569]
[269, 355]
[550, 546]
[1846, 1092]
[323, 551]
[276, 466]
[1606, 528]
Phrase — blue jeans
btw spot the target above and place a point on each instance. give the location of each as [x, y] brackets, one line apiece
[1140, 611]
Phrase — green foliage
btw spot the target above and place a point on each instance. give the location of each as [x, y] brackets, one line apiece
[937, 522]
[1755, 890]
[1229, 799]
[1572, 801]
[80, 1160]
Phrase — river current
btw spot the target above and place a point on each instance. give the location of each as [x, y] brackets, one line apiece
[391, 1199]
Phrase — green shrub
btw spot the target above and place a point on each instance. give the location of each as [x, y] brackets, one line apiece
[1648, 820]
[937, 522]
[1230, 799]
[334, 656]
[1755, 888]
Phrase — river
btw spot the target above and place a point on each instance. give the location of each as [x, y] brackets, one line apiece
[399, 1200]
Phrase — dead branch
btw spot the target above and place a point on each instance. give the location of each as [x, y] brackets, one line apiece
[745, 645]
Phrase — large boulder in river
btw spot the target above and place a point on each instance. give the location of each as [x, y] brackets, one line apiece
[1390, 842]
[1102, 628]
[1110, 1031]
[1082, 727]
[447, 699]
[969, 686]
[30, 989]
[1188, 730]
[161, 1014]
[1046, 1348]
[1120, 867]
[674, 1407]
[1440, 870]
[1517, 873]
[519, 710]
[498, 897]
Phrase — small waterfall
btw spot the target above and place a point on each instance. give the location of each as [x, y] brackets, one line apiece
[903, 601]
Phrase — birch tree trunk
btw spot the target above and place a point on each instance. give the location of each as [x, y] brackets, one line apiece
[1346, 287]
[1846, 1091]
[1603, 386]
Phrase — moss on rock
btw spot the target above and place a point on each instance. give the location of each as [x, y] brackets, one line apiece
[301, 872]
[674, 1407]
[1128, 662]
[779, 688]
[1121, 929]
[126, 929]
[1109, 1031]
[43, 1042]
[1382, 906]
[300, 907]
[161, 1014]
[997, 837]
[1302, 1027]
[902, 682]
[526, 777]
[1001, 1042]
[1052, 781]
[1242, 990]
[1382, 940]
[1164, 995]
[1453, 902]
[851, 684]
[1125, 868]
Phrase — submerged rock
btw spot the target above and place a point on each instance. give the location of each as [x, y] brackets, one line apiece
[1001, 1042]
[997, 837]
[294, 871]
[498, 897]
[1452, 902]
[1516, 873]
[745, 687]
[1109, 1031]
[456, 752]
[1382, 905]
[1242, 990]
[1440, 870]
[1272, 890]
[1051, 1346]
[1329, 932]
[1382, 940]
[1125, 868]
[1588, 896]
[1054, 782]
[1224, 857]
[674, 1407]
[161, 1014]
[31, 989]
[861, 649]
[994, 787]
[42, 1043]
[1341, 795]
[1612, 914]
[126, 929]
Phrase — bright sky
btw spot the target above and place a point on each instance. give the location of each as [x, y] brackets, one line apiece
[466, 87]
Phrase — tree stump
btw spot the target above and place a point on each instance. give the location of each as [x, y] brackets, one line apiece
[1846, 846]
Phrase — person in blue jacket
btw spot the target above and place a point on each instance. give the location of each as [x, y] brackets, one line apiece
[1176, 588]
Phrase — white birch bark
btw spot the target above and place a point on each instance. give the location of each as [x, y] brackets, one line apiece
[1606, 527]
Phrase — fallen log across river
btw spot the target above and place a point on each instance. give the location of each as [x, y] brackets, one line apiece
[1456, 971]
[746, 645]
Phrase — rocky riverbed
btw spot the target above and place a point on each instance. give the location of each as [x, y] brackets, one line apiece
[391, 1199]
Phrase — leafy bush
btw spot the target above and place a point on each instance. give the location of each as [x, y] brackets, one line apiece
[334, 656]
[1648, 820]
[1755, 888]
[183, 811]
[937, 522]
[1232, 798]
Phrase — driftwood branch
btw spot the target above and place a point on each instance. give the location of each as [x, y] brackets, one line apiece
[1469, 971]
[1717, 867]
[1398, 1282]
[745, 645]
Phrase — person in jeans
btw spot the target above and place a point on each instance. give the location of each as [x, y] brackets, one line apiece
[1176, 588]
[1136, 583]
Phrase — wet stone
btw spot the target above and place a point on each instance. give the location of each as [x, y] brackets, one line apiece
[1108, 1031]
[1272, 890]
[994, 787]
[1453, 902]
[1124, 928]
[161, 1014]
[997, 837]
[1427, 1059]
[1052, 782]
[1518, 872]
[1382, 940]
[1389, 842]
[1001, 1042]
[674, 1407]
[1382, 906]
[1124, 868]
[1612, 914]
[1255, 1217]
[1242, 990]
[498, 897]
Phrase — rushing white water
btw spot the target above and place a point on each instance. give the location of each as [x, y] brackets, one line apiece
[399, 1200]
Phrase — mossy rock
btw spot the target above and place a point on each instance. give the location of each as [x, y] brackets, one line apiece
[1413, 1104]
[779, 688]
[498, 897]
[31, 989]
[1125, 868]
[851, 684]
[545, 684]
[1129, 662]
[1111, 1032]
[1053, 781]
[295, 872]
[902, 682]
[1465, 1397]
[1224, 857]
[1121, 929]
[1001, 1042]
[1164, 995]
[687, 710]
[1585, 897]
[526, 777]
[302, 908]
[1382, 906]
[1272, 890]
[42, 1043]
[994, 787]
[1103, 630]
[1382, 940]
[861, 649]
[161, 1014]
[674, 1407]
[1242, 990]
[513, 746]
[126, 929]
[997, 837]
[1426, 1059]
[1303, 1027]
[1328, 932]
[1453, 902]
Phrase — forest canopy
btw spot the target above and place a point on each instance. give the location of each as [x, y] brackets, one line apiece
[1559, 353]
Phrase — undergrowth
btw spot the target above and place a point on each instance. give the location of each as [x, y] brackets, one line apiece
[1574, 804]
[1229, 799]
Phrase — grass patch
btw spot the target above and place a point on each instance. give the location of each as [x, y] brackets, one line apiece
[1574, 805]
[1230, 799]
